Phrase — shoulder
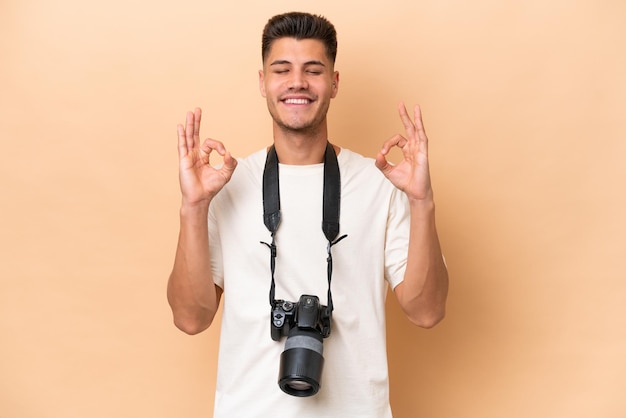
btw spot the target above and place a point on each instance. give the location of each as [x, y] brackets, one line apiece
[245, 182]
[355, 166]
[249, 170]
[253, 163]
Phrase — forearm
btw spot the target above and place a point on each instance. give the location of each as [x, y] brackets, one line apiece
[424, 291]
[191, 293]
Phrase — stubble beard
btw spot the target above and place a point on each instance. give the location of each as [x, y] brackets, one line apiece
[300, 127]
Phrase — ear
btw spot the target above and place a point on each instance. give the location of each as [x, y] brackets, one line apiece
[335, 89]
[262, 83]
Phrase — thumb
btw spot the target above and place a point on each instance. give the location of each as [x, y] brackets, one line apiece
[229, 162]
[382, 164]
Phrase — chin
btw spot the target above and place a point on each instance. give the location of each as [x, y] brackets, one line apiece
[296, 126]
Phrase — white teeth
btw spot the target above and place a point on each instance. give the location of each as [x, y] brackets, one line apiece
[296, 101]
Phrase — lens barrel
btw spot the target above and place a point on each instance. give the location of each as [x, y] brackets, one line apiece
[301, 363]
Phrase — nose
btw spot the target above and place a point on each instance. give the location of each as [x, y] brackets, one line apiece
[298, 81]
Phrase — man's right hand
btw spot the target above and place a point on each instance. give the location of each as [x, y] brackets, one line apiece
[199, 181]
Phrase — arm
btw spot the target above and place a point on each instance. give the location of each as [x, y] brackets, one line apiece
[191, 293]
[423, 293]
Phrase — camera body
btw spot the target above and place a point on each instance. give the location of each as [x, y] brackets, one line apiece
[305, 323]
[307, 313]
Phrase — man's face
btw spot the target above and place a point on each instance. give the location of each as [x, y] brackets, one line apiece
[298, 80]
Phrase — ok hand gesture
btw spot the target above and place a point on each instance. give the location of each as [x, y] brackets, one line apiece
[412, 174]
[199, 181]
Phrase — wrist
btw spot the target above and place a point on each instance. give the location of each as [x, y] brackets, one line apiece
[425, 204]
[192, 209]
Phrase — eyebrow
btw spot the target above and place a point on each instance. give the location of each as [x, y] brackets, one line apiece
[286, 62]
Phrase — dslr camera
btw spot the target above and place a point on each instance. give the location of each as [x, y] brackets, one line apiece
[305, 323]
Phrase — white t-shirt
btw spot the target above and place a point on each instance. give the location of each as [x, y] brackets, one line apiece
[374, 215]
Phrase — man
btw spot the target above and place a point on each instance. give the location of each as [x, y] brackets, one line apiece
[227, 245]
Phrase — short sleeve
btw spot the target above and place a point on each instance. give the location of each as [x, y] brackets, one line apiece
[215, 249]
[397, 238]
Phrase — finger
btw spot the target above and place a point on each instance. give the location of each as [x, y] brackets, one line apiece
[189, 131]
[419, 125]
[395, 141]
[406, 119]
[211, 144]
[196, 125]
[182, 143]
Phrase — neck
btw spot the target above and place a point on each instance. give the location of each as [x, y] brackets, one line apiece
[300, 148]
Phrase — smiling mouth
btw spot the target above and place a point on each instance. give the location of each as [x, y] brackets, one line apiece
[297, 101]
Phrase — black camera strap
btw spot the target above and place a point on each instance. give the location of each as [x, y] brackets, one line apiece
[330, 211]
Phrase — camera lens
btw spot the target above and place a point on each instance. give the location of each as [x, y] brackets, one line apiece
[301, 363]
[299, 385]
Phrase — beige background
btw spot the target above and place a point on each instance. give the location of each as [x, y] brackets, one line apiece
[524, 102]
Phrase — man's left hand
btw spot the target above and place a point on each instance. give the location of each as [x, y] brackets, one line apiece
[412, 174]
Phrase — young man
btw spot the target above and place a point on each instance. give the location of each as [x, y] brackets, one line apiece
[228, 245]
